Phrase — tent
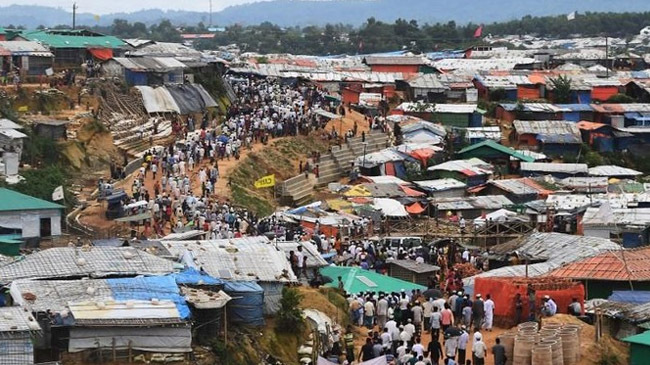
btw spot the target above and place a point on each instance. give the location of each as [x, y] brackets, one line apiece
[390, 207]
[356, 280]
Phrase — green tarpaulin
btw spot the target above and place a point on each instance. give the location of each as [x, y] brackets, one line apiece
[357, 280]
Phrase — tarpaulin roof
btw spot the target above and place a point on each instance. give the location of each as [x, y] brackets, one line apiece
[415, 208]
[630, 296]
[73, 39]
[390, 207]
[148, 64]
[412, 192]
[358, 191]
[158, 100]
[102, 54]
[195, 277]
[191, 98]
[11, 200]
[356, 280]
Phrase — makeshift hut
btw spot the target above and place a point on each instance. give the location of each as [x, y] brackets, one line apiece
[18, 329]
[411, 271]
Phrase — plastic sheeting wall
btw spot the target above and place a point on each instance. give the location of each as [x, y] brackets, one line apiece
[157, 100]
[16, 349]
[272, 296]
[154, 339]
[247, 304]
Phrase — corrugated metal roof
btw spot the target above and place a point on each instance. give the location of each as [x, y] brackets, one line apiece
[613, 171]
[314, 259]
[619, 265]
[440, 184]
[487, 202]
[496, 146]
[470, 167]
[16, 319]
[520, 186]
[150, 64]
[426, 81]
[546, 127]
[8, 124]
[480, 64]
[238, 259]
[605, 216]
[395, 60]
[438, 108]
[420, 268]
[551, 167]
[557, 247]
[60, 262]
[25, 48]
[12, 134]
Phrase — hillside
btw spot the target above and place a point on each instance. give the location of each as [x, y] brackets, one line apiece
[304, 12]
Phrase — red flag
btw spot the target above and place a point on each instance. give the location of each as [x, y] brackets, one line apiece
[478, 32]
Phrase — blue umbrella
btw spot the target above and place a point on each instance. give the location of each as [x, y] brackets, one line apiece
[223, 138]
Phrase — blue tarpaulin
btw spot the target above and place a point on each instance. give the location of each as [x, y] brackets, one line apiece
[147, 288]
[192, 276]
[630, 296]
[247, 304]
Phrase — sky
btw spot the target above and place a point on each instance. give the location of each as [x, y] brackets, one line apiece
[118, 6]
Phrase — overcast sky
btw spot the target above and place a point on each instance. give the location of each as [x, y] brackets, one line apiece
[116, 6]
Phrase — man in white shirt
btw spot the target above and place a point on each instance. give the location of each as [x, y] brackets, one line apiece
[382, 311]
[369, 314]
[418, 348]
[417, 316]
[463, 339]
[479, 349]
[436, 322]
[410, 328]
[488, 305]
[386, 339]
[427, 309]
[405, 336]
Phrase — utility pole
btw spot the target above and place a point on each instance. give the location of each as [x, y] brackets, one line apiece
[74, 15]
[210, 14]
[607, 55]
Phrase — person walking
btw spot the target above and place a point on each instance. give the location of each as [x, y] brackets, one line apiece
[447, 318]
[436, 322]
[463, 339]
[348, 338]
[479, 349]
[499, 352]
[488, 307]
[435, 352]
[478, 312]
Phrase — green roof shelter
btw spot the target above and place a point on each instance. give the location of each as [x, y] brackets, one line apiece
[639, 348]
[72, 47]
[27, 217]
[356, 280]
[495, 153]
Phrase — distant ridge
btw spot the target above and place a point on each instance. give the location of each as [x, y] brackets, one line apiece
[318, 12]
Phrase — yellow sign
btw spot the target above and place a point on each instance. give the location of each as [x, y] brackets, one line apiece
[265, 182]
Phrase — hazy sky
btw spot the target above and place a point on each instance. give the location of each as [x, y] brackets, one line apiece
[116, 6]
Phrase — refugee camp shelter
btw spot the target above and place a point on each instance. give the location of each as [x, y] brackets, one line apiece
[78, 262]
[145, 70]
[11, 139]
[442, 188]
[18, 329]
[28, 217]
[72, 47]
[552, 137]
[472, 171]
[618, 172]
[630, 225]
[31, 58]
[52, 129]
[544, 251]
[411, 271]
[356, 280]
[639, 348]
[557, 170]
[454, 115]
[240, 259]
[518, 190]
[404, 64]
[609, 271]
[182, 99]
[495, 153]
[130, 297]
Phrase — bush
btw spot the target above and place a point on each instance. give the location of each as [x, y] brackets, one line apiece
[289, 317]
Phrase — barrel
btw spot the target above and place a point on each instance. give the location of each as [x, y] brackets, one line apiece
[542, 354]
[552, 325]
[570, 345]
[579, 329]
[508, 341]
[522, 354]
[531, 324]
[556, 349]
[546, 332]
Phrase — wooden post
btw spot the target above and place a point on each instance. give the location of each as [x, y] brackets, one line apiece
[113, 349]
[225, 326]
[130, 352]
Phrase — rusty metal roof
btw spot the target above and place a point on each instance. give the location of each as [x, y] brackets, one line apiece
[621, 265]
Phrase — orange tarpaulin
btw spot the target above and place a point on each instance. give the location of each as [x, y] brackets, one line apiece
[423, 154]
[412, 192]
[102, 53]
[415, 208]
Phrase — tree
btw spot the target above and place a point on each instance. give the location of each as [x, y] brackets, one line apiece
[289, 316]
[562, 88]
